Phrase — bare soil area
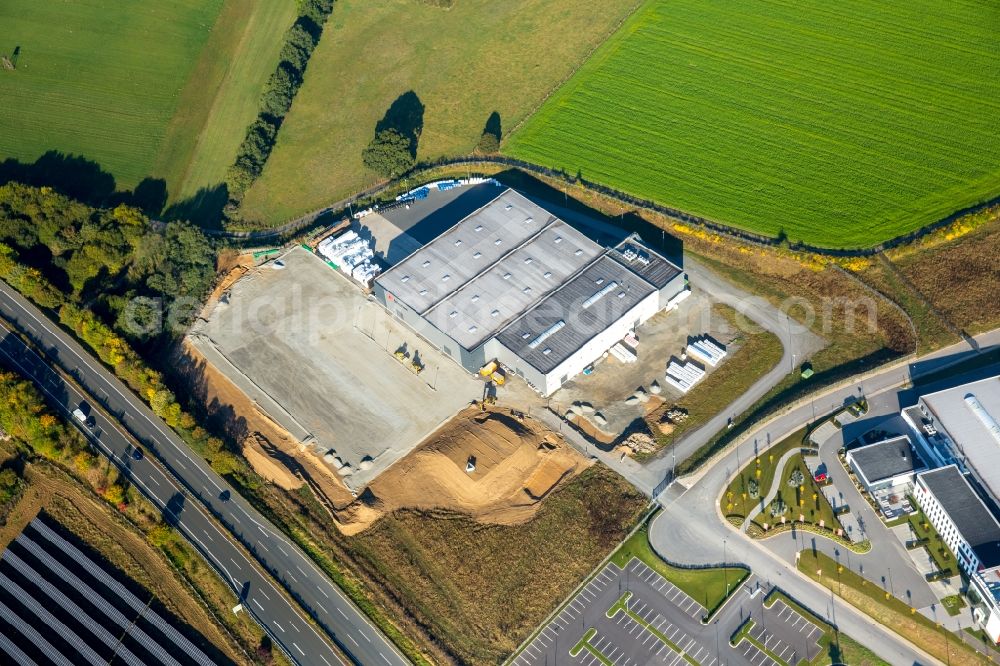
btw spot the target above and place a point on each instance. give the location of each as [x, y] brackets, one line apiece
[270, 449]
[517, 462]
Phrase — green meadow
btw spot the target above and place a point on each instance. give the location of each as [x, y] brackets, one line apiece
[842, 124]
[143, 88]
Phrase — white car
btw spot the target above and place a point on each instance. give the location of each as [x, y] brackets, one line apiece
[79, 415]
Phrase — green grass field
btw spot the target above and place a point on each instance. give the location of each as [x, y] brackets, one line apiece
[145, 89]
[222, 95]
[463, 63]
[842, 124]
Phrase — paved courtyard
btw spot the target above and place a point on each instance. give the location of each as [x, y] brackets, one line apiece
[633, 616]
[317, 356]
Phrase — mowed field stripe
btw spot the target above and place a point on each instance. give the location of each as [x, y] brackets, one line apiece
[842, 124]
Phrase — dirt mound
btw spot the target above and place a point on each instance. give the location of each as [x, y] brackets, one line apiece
[279, 454]
[491, 466]
[265, 460]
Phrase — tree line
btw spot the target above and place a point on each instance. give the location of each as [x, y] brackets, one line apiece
[100, 270]
[280, 90]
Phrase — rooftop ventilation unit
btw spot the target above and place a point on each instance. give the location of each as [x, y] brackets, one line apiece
[453, 314]
[445, 277]
[984, 417]
[475, 298]
[508, 206]
[405, 278]
[495, 313]
[547, 274]
[578, 252]
[547, 333]
[423, 292]
[506, 276]
[477, 255]
[458, 241]
[529, 220]
[600, 294]
[426, 263]
[479, 227]
[497, 241]
[473, 329]
[527, 260]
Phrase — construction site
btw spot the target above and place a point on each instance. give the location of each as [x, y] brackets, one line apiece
[329, 380]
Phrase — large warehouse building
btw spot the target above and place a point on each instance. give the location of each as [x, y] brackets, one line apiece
[959, 431]
[513, 282]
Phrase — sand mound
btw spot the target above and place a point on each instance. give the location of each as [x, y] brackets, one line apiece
[266, 463]
[516, 464]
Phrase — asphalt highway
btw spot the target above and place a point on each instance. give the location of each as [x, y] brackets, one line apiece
[187, 489]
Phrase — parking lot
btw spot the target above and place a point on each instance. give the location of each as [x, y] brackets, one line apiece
[316, 355]
[632, 616]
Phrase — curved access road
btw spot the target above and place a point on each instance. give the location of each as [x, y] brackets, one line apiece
[691, 529]
[188, 490]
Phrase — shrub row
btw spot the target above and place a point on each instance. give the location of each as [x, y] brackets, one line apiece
[300, 41]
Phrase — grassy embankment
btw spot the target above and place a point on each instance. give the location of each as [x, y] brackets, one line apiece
[783, 126]
[478, 590]
[463, 63]
[887, 610]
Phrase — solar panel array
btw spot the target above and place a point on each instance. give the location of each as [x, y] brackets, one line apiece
[59, 606]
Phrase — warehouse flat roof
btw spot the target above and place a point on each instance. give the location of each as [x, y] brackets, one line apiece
[886, 459]
[569, 317]
[974, 521]
[645, 262]
[970, 414]
[488, 269]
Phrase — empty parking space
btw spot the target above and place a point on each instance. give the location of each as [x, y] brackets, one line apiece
[787, 634]
[671, 592]
[754, 655]
[660, 624]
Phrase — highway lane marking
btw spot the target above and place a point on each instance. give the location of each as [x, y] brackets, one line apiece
[324, 593]
[304, 574]
[283, 551]
[298, 648]
[296, 629]
[278, 626]
[101, 373]
[265, 594]
[207, 535]
[384, 657]
[341, 611]
[325, 661]
[353, 641]
[258, 605]
[153, 479]
[138, 411]
[365, 636]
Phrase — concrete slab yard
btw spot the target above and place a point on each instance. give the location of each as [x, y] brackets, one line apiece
[317, 356]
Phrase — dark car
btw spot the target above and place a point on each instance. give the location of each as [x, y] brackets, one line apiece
[137, 454]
